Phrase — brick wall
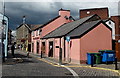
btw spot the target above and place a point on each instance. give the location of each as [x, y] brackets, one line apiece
[102, 12]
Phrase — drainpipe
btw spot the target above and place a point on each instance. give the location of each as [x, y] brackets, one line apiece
[69, 59]
[68, 52]
[64, 48]
[60, 53]
[41, 43]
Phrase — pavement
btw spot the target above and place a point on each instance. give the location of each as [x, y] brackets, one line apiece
[79, 69]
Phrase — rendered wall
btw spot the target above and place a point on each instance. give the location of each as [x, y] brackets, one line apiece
[97, 39]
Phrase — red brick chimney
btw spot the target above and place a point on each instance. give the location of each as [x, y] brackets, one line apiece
[64, 13]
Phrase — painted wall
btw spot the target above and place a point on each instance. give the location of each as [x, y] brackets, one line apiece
[56, 23]
[111, 24]
[74, 46]
[56, 52]
[53, 25]
[50, 27]
[35, 37]
[56, 42]
[46, 47]
[97, 39]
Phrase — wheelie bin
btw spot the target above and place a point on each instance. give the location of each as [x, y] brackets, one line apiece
[107, 55]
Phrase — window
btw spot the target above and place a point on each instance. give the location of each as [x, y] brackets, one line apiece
[88, 12]
[39, 31]
[32, 33]
[109, 22]
[36, 32]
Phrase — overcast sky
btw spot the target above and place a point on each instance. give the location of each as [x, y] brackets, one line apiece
[42, 12]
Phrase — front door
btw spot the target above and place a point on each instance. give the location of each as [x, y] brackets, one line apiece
[43, 47]
[37, 47]
[32, 47]
[50, 49]
[29, 47]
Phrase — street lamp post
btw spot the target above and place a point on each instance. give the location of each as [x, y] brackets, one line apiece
[2, 46]
[4, 33]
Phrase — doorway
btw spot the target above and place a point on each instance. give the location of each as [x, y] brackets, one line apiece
[43, 47]
[37, 47]
[32, 47]
[50, 49]
[113, 44]
[29, 47]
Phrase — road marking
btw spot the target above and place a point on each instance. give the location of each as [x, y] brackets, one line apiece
[52, 63]
[116, 71]
[72, 71]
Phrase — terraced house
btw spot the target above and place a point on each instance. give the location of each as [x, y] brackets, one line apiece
[63, 18]
[89, 34]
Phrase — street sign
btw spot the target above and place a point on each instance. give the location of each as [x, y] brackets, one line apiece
[118, 41]
[57, 47]
[68, 38]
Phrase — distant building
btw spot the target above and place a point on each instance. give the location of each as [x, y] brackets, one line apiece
[9, 36]
[103, 13]
[23, 36]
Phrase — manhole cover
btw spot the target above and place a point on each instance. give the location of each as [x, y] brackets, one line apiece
[68, 73]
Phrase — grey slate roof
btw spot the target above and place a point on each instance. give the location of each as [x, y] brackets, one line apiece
[66, 28]
[84, 28]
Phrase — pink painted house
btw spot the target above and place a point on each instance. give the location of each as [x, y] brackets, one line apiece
[63, 18]
[89, 34]
[35, 38]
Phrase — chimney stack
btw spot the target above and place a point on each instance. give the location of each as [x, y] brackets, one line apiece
[64, 13]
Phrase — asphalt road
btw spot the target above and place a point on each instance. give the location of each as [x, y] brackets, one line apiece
[32, 67]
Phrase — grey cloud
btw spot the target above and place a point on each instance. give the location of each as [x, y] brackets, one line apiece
[41, 12]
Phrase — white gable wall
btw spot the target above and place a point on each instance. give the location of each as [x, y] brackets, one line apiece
[111, 24]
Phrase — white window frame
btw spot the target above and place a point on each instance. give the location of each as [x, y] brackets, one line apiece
[32, 33]
[39, 31]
